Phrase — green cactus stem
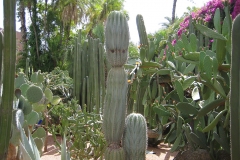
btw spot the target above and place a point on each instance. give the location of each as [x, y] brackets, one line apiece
[141, 89]
[9, 58]
[142, 31]
[114, 152]
[34, 94]
[143, 82]
[77, 67]
[235, 92]
[115, 105]
[135, 137]
[1, 54]
[39, 143]
[88, 80]
[102, 76]
[117, 39]
[24, 105]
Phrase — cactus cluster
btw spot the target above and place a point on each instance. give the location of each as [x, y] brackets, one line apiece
[30, 101]
[117, 41]
[89, 83]
[34, 94]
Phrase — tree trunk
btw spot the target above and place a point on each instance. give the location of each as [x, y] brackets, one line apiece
[23, 28]
[34, 23]
[174, 10]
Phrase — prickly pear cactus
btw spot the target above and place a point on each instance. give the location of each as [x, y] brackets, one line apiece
[21, 79]
[117, 40]
[135, 137]
[24, 105]
[34, 94]
[39, 143]
[24, 87]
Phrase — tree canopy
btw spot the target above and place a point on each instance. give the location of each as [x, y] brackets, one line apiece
[48, 38]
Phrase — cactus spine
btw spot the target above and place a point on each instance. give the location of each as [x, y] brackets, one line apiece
[117, 41]
[235, 92]
[135, 137]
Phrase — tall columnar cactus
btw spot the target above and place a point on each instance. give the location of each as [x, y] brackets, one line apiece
[235, 92]
[9, 58]
[88, 73]
[117, 41]
[135, 137]
[143, 82]
[142, 31]
[1, 50]
[115, 105]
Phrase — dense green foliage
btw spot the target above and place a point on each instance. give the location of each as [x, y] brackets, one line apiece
[50, 36]
[82, 130]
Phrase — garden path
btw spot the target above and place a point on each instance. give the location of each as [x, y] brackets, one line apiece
[162, 152]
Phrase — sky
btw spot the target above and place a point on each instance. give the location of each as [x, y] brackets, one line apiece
[153, 12]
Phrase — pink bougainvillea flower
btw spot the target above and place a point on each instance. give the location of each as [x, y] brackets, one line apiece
[174, 42]
[208, 18]
[236, 9]
[205, 13]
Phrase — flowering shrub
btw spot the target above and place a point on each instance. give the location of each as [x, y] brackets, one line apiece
[204, 14]
[236, 8]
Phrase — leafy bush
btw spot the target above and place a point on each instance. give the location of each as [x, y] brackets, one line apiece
[60, 83]
[82, 129]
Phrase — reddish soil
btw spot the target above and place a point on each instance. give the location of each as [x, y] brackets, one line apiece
[162, 152]
[52, 152]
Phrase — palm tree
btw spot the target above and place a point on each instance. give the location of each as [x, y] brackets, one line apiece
[168, 23]
[174, 10]
[88, 13]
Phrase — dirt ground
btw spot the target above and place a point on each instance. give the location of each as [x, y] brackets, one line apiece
[161, 153]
